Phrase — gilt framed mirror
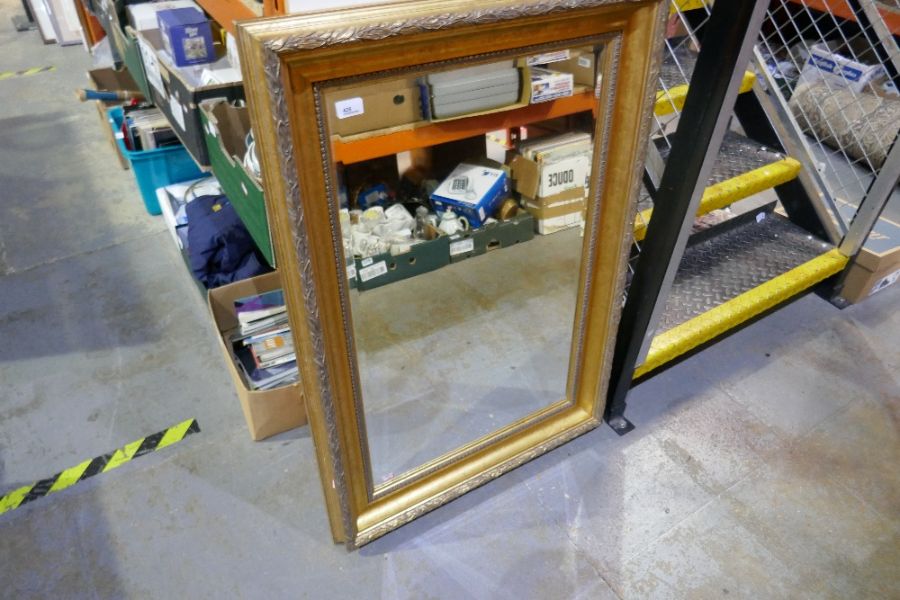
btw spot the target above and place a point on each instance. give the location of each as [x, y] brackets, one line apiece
[451, 190]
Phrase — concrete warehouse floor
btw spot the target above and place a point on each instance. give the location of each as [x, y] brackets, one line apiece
[765, 467]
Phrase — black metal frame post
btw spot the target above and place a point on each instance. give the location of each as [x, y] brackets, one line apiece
[724, 54]
[26, 23]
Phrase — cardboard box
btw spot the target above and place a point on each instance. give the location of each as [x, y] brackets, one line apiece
[548, 84]
[177, 94]
[111, 80]
[502, 234]
[376, 271]
[142, 16]
[267, 412]
[226, 128]
[582, 64]
[560, 223]
[362, 108]
[536, 181]
[837, 69]
[473, 191]
[564, 203]
[878, 264]
[187, 36]
[548, 57]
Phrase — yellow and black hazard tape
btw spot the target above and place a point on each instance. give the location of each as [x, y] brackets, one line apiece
[25, 73]
[101, 464]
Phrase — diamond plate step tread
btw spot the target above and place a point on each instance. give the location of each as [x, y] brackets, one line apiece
[675, 74]
[677, 60]
[742, 169]
[726, 317]
[734, 262]
[737, 155]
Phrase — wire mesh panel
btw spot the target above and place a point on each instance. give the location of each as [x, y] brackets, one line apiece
[826, 72]
[830, 68]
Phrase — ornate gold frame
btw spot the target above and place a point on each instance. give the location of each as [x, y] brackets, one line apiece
[285, 62]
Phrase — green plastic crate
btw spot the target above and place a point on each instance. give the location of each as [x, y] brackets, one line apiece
[467, 244]
[225, 126]
[126, 47]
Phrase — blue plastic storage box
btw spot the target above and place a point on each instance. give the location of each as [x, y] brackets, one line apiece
[154, 168]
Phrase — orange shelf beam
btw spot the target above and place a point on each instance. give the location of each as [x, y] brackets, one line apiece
[840, 8]
[368, 146]
[226, 12]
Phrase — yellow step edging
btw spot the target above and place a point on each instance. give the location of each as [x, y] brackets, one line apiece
[680, 339]
[683, 5]
[671, 100]
[725, 193]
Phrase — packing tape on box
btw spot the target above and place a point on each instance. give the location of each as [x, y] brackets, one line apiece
[95, 466]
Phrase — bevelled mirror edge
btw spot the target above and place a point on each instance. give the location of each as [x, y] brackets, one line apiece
[353, 517]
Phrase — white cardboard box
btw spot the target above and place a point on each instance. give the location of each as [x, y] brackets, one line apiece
[143, 16]
[547, 85]
[560, 223]
[837, 69]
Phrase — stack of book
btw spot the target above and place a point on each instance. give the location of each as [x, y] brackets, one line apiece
[262, 343]
[557, 147]
[147, 129]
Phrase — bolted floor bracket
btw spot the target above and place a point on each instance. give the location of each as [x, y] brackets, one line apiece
[620, 424]
[23, 23]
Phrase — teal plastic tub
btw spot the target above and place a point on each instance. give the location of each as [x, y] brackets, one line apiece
[154, 168]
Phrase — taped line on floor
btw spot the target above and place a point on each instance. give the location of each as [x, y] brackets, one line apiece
[26, 72]
[101, 464]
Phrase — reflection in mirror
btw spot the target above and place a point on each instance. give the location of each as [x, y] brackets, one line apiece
[463, 257]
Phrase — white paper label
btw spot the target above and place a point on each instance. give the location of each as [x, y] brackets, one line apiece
[367, 261]
[565, 174]
[371, 272]
[584, 62]
[120, 135]
[885, 282]
[351, 271]
[151, 66]
[547, 57]
[349, 108]
[462, 246]
[177, 112]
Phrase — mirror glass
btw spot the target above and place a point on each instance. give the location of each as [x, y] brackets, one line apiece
[462, 192]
